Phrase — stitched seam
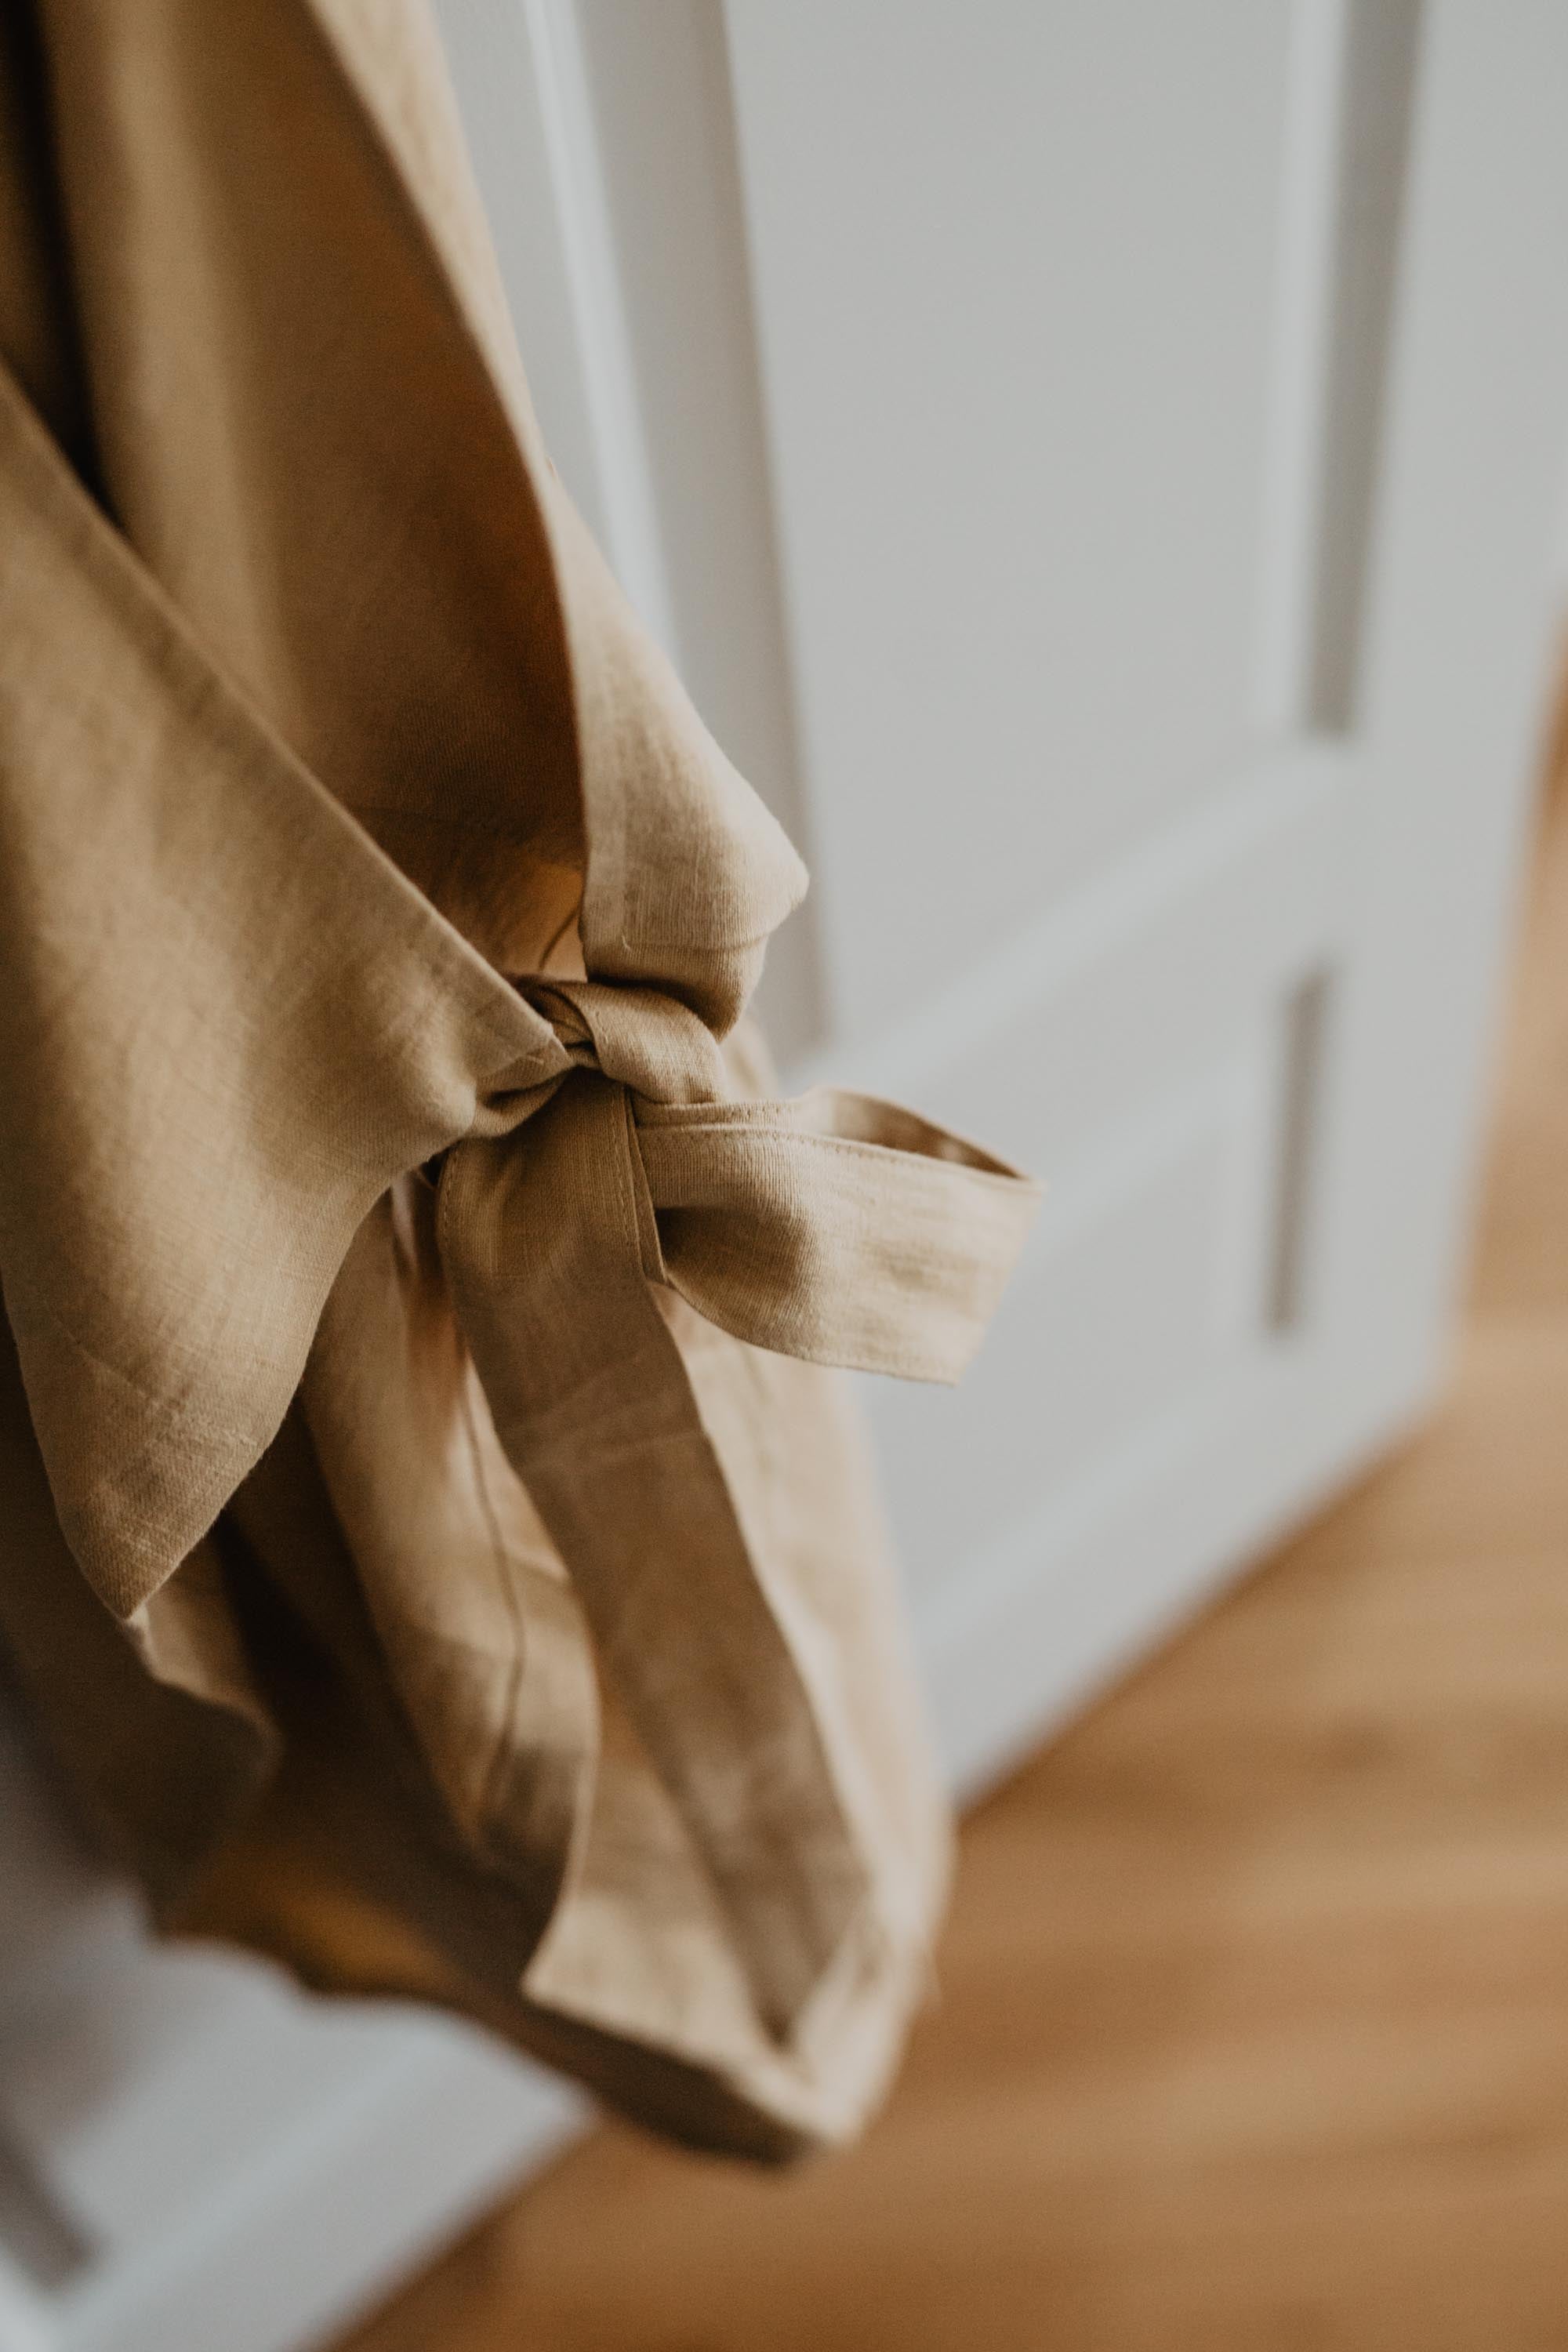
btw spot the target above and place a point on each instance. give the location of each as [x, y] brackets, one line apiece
[500, 1562]
[845, 1144]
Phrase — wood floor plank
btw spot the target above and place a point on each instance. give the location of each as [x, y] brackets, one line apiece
[1253, 2033]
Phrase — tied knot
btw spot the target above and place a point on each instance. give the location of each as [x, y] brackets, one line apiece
[640, 1037]
[832, 1228]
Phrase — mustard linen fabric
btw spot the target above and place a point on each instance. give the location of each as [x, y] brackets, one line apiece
[420, 1313]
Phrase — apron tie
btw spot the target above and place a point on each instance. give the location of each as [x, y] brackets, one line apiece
[832, 1228]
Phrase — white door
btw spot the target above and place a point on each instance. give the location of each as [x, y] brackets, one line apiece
[1097, 464]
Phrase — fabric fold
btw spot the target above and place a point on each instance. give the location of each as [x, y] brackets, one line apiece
[181, 1202]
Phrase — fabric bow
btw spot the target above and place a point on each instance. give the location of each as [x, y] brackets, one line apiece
[834, 1228]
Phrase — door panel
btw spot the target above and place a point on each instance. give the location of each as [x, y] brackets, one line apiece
[1095, 464]
[1145, 1254]
[1012, 270]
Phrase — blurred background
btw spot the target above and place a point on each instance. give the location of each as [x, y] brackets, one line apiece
[1101, 469]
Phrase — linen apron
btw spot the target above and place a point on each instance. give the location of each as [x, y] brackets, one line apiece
[437, 1541]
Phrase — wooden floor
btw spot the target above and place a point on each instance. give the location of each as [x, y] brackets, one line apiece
[1255, 2027]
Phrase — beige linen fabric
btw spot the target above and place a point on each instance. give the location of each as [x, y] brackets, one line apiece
[420, 1314]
